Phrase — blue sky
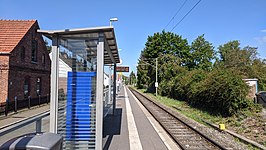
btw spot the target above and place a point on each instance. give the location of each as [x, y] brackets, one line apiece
[220, 21]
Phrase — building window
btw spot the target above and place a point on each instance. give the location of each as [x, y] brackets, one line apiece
[43, 59]
[38, 86]
[34, 51]
[22, 53]
[27, 87]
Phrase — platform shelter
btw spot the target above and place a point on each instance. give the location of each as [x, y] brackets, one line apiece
[79, 99]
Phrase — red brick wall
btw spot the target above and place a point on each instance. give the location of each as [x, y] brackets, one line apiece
[4, 60]
[19, 68]
[17, 87]
[15, 58]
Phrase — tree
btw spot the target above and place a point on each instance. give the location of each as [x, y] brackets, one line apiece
[169, 67]
[202, 54]
[166, 43]
[132, 78]
[232, 56]
[142, 73]
[157, 46]
[257, 70]
[244, 61]
[125, 79]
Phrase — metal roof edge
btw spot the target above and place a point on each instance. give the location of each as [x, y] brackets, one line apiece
[77, 30]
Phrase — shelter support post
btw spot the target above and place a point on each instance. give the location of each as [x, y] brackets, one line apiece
[110, 87]
[99, 92]
[54, 85]
[114, 90]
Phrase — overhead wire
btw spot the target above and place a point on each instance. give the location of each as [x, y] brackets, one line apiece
[176, 14]
[186, 15]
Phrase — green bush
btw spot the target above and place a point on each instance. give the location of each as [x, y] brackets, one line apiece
[184, 87]
[222, 91]
[166, 80]
[165, 88]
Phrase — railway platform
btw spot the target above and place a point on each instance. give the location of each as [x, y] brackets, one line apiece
[133, 127]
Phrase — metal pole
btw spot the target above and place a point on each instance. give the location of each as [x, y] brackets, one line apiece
[28, 102]
[39, 126]
[16, 104]
[156, 82]
[39, 100]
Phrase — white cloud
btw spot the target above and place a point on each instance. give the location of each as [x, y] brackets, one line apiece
[264, 30]
[261, 40]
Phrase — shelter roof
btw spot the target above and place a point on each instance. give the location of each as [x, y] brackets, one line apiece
[91, 37]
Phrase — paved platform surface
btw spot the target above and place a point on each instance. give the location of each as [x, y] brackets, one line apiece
[132, 127]
[22, 114]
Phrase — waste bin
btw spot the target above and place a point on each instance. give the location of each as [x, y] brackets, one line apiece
[34, 141]
[261, 98]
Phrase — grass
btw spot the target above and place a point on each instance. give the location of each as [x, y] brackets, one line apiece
[184, 108]
[235, 123]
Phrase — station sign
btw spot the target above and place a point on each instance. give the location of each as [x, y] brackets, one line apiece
[122, 69]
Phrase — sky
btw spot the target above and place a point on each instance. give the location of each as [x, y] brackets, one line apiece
[220, 21]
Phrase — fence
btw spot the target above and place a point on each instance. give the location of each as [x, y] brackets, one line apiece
[15, 104]
[38, 119]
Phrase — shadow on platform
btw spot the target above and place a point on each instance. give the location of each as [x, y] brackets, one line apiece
[111, 127]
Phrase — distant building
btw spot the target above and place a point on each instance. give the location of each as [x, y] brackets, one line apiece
[25, 65]
[106, 80]
[253, 87]
[64, 68]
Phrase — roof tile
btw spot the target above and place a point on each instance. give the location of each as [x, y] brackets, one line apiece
[11, 32]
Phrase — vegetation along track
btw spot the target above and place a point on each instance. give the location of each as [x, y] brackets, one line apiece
[182, 133]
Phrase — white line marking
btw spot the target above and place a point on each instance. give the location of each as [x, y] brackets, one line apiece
[167, 140]
[134, 140]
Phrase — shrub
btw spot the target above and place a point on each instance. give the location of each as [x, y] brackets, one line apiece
[222, 91]
[165, 88]
[167, 80]
[184, 87]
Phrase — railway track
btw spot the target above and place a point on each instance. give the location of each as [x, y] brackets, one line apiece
[183, 134]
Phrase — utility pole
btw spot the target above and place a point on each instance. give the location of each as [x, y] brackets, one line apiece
[156, 81]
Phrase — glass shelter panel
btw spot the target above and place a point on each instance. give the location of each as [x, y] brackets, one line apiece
[77, 92]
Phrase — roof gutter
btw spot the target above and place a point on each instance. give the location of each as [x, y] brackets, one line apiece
[5, 53]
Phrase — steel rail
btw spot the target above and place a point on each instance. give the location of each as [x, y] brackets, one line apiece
[167, 110]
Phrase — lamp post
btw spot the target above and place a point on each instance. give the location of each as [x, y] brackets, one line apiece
[113, 20]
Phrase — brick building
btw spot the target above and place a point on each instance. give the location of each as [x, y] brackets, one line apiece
[25, 65]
